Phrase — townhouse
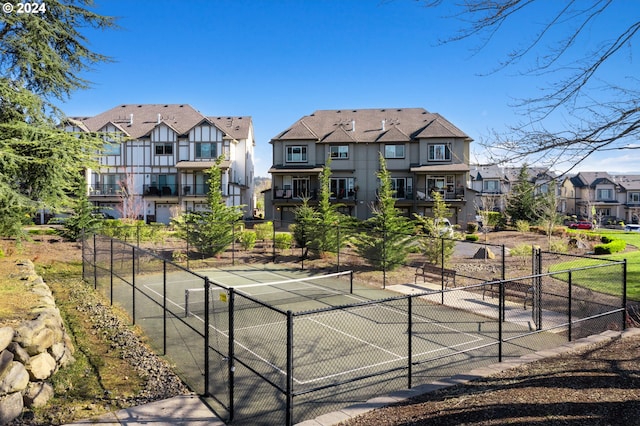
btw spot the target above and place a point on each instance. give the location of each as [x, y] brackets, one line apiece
[155, 157]
[423, 151]
[602, 197]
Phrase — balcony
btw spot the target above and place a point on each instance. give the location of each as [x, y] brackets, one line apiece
[169, 190]
[106, 190]
[451, 194]
[197, 190]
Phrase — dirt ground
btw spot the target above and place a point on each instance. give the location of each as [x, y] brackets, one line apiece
[597, 386]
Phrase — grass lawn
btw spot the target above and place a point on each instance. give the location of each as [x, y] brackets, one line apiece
[600, 279]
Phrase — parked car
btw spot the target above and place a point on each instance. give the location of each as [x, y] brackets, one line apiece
[444, 227]
[632, 228]
[583, 224]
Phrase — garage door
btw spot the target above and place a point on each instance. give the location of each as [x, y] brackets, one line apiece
[163, 213]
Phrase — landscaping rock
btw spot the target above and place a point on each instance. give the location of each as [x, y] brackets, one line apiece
[10, 407]
[15, 379]
[6, 336]
[38, 394]
[41, 367]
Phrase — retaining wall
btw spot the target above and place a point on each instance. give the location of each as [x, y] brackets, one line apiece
[31, 351]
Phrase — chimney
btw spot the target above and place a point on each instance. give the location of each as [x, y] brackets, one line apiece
[130, 119]
[383, 125]
[353, 125]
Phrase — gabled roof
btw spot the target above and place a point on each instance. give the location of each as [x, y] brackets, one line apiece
[628, 182]
[236, 127]
[371, 125]
[583, 179]
[138, 120]
[479, 172]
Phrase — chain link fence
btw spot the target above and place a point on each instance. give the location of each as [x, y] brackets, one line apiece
[261, 361]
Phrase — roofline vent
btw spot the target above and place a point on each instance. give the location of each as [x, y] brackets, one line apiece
[130, 119]
[383, 122]
[159, 118]
[353, 125]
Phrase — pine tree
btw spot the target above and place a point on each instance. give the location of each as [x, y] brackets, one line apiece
[41, 58]
[212, 231]
[386, 237]
[521, 201]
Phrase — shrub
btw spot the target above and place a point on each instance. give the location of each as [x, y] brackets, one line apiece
[283, 240]
[248, 239]
[522, 250]
[610, 247]
[522, 226]
[472, 228]
[264, 230]
[558, 247]
[472, 237]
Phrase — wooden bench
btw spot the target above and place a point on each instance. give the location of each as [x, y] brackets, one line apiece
[514, 289]
[426, 268]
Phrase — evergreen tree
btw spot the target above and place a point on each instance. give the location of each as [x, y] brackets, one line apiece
[435, 240]
[329, 219]
[386, 237]
[521, 201]
[41, 58]
[83, 218]
[211, 232]
[305, 227]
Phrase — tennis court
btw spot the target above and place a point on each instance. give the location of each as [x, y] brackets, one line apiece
[331, 345]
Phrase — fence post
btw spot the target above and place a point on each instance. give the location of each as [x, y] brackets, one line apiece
[111, 271]
[289, 416]
[410, 343]
[500, 319]
[231, 352]
[133, 284]
[164, 307]
[624, 294]
[338, 245]
[82, 249]
[570, 304]
[207, 288]
[273, 243]
[95, 263]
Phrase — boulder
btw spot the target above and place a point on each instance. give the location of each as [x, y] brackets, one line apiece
[19, 354]
[41, 366]
[15, 379]
[38, 394]
[10, 407]
[484, 253]
[6, 360]
[6, 336]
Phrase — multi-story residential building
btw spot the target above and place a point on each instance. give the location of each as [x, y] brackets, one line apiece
[492, 184]
[423, 151]
[602, 197]
[155, 157]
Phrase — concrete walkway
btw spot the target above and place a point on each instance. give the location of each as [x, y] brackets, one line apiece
[486, 306]
[186, 410]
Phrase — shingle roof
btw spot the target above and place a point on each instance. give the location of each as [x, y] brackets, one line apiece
[629, 182]
[138, 120]
[236, 127]
[371, 125]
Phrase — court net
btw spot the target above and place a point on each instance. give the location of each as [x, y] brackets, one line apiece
[292, 290]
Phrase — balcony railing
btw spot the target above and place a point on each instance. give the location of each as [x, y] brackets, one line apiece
[169, 190]
[456, 194]
[105, 189]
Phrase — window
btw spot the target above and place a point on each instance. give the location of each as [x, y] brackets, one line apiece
[164, 149]
[111, 148]
[634, 197]
[402, 187]
[163, 185]
[491, 186]
[440, 152]
[604, 194]
[339, 152]
[342, 188]
[394, 151]
[206, 150]
[296, 154]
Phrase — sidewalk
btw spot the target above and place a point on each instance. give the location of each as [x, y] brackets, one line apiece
[186, 410]
[487, 306]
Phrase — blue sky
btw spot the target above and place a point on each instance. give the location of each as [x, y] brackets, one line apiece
[277, 60]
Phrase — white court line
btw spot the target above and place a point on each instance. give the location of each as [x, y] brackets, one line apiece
[397, 358]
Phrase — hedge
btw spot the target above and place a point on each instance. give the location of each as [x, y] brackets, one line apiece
[612, 246]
